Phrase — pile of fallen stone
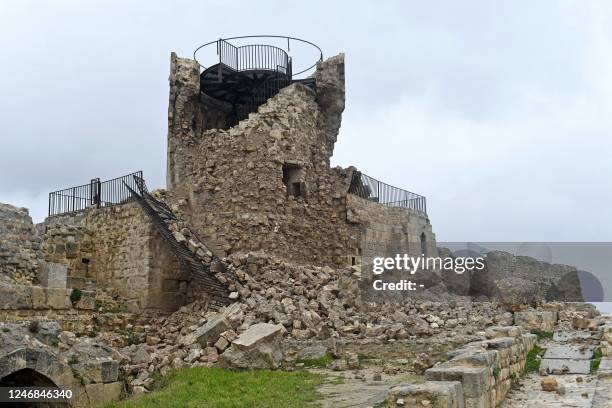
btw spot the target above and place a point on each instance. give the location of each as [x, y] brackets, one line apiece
[301, 302]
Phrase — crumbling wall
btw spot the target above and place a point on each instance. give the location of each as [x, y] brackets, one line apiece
[266, 183]
[19, 246]
[117, 247]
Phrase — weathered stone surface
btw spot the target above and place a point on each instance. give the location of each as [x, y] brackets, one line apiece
[258, 347]
[435, 394]
[19, 246]
[208, 333]
[53, 275]
[536, 320]
[569, 352]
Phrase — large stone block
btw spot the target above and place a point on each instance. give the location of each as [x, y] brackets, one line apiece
[475, 380]
[53, 275]
[15, 297]
[258, 347]
[208, 333]
[100, 394]
[536, 320]
[435, 394]
[58, 298]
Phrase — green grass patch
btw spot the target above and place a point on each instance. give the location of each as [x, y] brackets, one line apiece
[543, 335]
[532, 365]
[596, 360]
[320, 362]
[219, 388]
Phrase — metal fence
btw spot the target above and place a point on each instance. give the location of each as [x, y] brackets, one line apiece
[96, 193]
[371, 189]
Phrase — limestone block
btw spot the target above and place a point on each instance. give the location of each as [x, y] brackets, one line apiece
[536, 320]
[475, 380]
[100, 394]
[58, 298]
[15, 297]
[258, 347]
[98, 371]
[208, 333]
[53, 275]
[435, 394]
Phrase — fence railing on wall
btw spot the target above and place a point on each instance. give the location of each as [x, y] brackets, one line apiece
[95, 194]
[371, 189]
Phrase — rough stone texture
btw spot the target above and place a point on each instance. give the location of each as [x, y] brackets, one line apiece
[544, 320]
[53, 275]
[266, 183]
[83, 365]
[19, 246]
[258, 347]
[435, 394]
[521, 279]
[117, 247]
[486, 369]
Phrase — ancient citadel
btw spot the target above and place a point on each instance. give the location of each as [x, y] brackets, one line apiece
[258, 254]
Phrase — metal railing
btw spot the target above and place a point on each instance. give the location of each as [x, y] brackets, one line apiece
[253, 57]
[258, 56]
[95, 194]
[371, 189]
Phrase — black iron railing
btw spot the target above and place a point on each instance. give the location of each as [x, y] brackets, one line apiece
[96, 193]
[259, 56]
[371, 189]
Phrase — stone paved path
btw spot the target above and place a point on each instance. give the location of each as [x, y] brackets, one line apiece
[344, 390]
[567, 359]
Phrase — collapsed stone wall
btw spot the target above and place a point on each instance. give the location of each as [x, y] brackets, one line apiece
[117, 247]
[19, 246]
[266, 183]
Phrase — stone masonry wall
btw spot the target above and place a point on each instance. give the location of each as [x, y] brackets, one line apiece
[19, 246]
[387, 231]
[266, 183]
[117, 247]
[479, 374]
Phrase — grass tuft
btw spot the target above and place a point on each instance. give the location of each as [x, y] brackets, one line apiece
[320, 362]
[596, 360]
[532, 364]
[219, 388]
[542, 334]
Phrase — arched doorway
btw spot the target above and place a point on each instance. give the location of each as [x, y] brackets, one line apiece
[28, 377]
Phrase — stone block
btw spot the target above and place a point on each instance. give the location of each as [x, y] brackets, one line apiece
[97, 371]
[208, 333]
[536, 319]
[58, 298]
[475, 380]
[15, 297]
[53, 275]
[435, 394]
[258, 347]
[100, 394]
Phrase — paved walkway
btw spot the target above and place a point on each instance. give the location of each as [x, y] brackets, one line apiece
[567, 360]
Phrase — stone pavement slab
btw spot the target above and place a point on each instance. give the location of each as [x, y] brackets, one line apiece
[569, 352]
[565, 366]
[566, 336]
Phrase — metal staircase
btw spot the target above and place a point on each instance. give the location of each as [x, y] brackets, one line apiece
[197, 268]
[247, 76]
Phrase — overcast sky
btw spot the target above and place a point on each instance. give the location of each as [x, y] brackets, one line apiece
[499, 112]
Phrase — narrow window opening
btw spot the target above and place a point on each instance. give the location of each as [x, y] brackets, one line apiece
[423, 244]
[293, 180]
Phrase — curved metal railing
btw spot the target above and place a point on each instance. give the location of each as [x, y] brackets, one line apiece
[257, 56]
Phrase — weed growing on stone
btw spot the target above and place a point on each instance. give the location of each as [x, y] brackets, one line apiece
[596, 360]
[320, 362]
[542, 334]
[532, 364]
